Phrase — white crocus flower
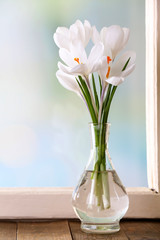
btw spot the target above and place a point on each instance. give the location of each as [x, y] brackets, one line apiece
[77, 61]
[78, 31]
[113, 37]
[113, 73]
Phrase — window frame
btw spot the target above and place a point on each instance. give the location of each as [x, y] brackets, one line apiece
[46, 203]
[152, 90]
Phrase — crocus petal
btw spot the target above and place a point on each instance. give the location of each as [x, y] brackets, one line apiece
[80, 69]
[63, 30]
[126, 32]
[64, 68]
[95, 55]
[115, 81]
[95, 35]
[119, 65]
[128, 70]
[61, 41]
[67, 57]
[103, 34]
[68, 81]
[78, 51]
[88, 32]
[108, 52]
[103, 68]
[77, 32]
[81, 30]
[114, 38]
[95, 67]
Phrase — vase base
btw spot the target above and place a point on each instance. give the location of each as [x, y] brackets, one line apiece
[100, 228]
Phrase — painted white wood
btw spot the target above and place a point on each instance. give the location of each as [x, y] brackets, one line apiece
[48, 203]
[143, 203]
[153, 92]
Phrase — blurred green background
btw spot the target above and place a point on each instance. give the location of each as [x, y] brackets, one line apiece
[44, 133]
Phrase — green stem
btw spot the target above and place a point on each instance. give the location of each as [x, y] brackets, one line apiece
[107, 96]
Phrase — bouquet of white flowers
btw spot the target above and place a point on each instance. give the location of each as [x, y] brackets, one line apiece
[77, 73]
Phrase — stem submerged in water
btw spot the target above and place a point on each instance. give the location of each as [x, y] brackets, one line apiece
[100, 178]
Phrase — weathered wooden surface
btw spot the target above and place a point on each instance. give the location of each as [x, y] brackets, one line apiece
[44, 231]
[70, 230]
[8, 231]
[137, 230]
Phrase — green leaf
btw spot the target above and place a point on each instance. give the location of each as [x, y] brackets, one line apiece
[100, 84]
[126, 64]
[95, 93]
[84, 89]
[107, 108]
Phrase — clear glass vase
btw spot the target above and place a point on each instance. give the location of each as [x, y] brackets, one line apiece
[100, 199]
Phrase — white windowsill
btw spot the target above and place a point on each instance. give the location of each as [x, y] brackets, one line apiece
[47, 203]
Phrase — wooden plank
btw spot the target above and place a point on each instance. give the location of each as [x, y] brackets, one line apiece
[137, 230]
[8, 231]
[58, 230]
[155, 225]
[77, 234]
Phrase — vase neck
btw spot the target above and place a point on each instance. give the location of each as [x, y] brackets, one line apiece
[99, 157]
[99, 135]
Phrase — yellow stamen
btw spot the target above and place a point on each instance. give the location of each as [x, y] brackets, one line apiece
[107, 75]
[77, 60]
